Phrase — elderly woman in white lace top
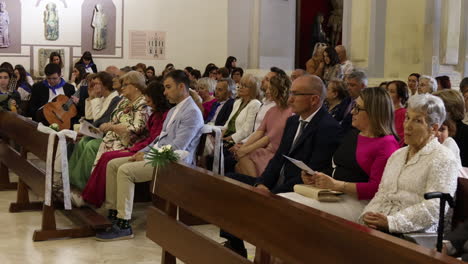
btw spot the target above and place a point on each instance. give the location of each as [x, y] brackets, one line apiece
[423, 166]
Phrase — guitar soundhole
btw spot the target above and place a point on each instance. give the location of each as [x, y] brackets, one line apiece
[65, 107]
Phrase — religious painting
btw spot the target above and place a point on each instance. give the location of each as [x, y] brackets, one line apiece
[99, 26]
[51, 22]
[10, 26]
[147, 45]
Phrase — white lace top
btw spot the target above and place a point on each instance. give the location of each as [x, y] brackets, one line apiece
[401, 192]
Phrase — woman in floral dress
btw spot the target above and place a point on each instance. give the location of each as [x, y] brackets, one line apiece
[127, 126]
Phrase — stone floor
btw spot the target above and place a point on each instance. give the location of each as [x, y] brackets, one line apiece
[16, 245]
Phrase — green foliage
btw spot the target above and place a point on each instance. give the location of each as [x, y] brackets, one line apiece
[160, 157]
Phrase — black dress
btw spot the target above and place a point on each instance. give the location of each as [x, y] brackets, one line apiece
[461, 137]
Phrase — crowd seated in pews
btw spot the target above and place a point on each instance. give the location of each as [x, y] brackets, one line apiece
[381, 149]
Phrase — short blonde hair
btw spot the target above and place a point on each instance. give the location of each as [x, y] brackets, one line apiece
[135, 78]
[251, 82]
[207, 83]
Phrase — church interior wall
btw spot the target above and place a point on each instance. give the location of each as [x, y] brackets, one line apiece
[196, 32]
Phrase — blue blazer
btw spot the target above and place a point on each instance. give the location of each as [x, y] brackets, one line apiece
[184, 131]
[315, 148]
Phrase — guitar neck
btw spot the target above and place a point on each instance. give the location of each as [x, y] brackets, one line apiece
[76, 94]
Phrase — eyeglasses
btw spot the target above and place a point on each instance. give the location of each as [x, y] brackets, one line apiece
[291, 94]
[357, 109]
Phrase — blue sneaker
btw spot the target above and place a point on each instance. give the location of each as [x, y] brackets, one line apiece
[115, 233]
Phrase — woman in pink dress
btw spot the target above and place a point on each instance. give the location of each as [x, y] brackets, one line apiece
[254, 155]
[95, 190]
[398, 91]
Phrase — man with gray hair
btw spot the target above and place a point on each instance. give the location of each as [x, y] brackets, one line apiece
[356, 81]
[311, 136]
[427, 84]
[221, 110]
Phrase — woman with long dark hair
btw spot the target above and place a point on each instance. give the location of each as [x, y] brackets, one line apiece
[231, 63]
[87, 61]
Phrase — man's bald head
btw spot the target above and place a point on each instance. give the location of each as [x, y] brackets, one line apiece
[312, 84]
[113, 71]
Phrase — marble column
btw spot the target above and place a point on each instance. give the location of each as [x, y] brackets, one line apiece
[432, 37]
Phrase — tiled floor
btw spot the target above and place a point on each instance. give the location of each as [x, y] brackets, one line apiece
[16, 245]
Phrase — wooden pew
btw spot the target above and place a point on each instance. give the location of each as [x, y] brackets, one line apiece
[291, 231]
[23, 132]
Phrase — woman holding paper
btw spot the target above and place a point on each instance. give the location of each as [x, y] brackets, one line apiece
[126, 126]
[360, 160]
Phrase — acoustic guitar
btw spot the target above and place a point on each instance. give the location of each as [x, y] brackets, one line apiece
[61, 110]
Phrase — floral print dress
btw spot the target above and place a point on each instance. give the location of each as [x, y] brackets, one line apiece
[134, 116]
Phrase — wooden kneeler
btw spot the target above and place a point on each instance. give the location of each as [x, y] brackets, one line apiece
[33, 178]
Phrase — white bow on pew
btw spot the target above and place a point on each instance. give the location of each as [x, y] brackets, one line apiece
[62, 148]
[218, 160]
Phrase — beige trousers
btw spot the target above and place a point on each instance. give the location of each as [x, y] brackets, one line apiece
[120, 184]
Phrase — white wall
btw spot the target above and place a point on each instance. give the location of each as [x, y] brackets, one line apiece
[196, 30]
[277, 34]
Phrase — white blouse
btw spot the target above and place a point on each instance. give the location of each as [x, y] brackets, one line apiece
[401, 192]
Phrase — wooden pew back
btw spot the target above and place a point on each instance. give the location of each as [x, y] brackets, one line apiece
[17, 131]
[293, 232]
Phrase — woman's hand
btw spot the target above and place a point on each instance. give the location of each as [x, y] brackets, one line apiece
[105, 127]
[319, 180]
[120, 129]
[227, 138]
[376, 221]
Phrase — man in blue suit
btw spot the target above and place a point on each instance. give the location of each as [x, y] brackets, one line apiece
[181, 130]
[312, 136]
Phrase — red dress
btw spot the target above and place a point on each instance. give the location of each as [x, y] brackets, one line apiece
[399, 125]
[95, 190]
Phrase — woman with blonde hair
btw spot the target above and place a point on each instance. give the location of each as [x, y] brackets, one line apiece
[241, 121]
[261, 146]
[205, 88]
[312, 65]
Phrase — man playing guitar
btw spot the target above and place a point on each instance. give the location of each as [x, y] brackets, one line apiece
[45, 91]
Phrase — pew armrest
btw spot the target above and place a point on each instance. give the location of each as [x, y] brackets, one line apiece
[428, 240]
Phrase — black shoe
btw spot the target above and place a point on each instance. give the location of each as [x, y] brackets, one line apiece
[241, 251]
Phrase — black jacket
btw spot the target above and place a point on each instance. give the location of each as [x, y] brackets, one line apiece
[315, 148]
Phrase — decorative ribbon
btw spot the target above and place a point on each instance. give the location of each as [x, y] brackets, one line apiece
[62, 147]
[53, 88]
[218, 160]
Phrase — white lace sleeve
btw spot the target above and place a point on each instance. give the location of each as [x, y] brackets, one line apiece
[442, 178]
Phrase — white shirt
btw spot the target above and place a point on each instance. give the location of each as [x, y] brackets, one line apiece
[213, 120]
[57, 92]
[401, 192]
[347, 67]
[465, 120]
[95, 108]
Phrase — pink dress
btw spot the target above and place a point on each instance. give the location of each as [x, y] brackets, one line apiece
[95, 190]
[207, 107]
[273, 125]
[399, 125]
